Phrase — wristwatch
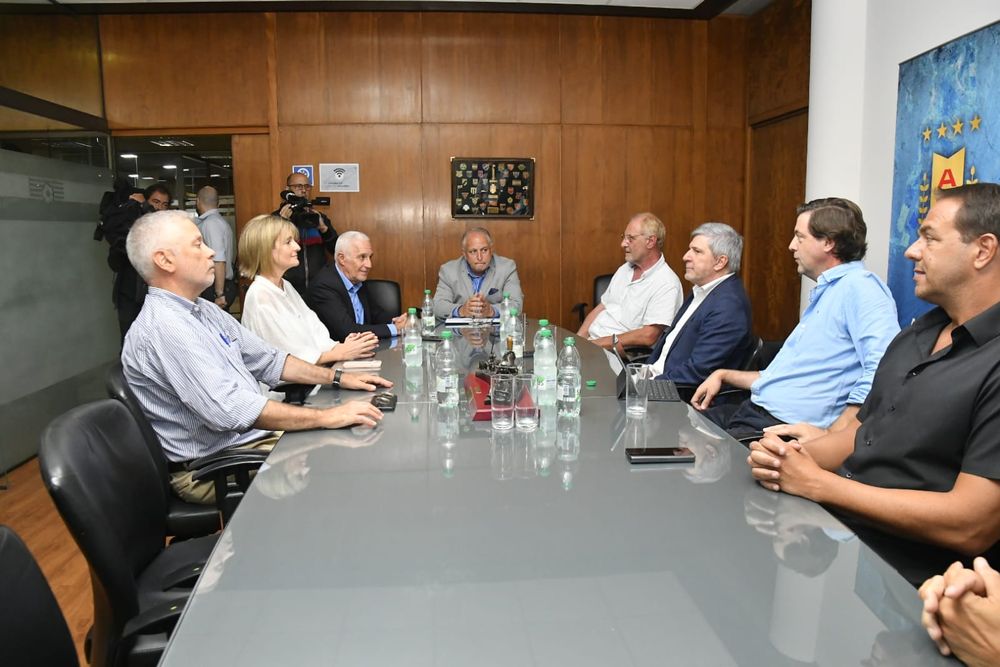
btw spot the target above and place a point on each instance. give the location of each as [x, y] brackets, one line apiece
[337, 374]
[614, 342]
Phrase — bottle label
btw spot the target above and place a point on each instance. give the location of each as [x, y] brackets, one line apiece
[517, 348]
[446, 383]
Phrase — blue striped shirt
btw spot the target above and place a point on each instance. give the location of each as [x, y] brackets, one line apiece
[194, 370]
[829, 360]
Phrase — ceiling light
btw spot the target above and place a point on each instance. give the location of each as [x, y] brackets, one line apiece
[129, 156]
[186, 169]
[133, 175]
[170, 166]
[147, 178]
[213, 176]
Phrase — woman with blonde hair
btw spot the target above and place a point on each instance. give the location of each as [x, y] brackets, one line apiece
[272, 308]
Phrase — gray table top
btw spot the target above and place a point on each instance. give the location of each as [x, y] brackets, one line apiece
[433, 540]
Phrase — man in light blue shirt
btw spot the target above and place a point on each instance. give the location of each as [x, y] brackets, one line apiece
[195, 370]
[824, 370]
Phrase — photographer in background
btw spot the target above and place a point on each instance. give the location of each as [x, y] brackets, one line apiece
[316, 232]
[118, 213]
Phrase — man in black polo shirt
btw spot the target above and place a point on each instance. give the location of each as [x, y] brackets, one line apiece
[921, 463]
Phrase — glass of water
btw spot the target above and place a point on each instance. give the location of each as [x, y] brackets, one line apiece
[525, 406]
[502, 401]
[637, 378]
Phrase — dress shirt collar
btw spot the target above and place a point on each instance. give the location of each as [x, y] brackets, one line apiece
[472, 274]
[270, 286]
[176, 300]
[703, 290]
[837, 272]
[650, 271]
[982, 328]
[350, 286]
[208, 213]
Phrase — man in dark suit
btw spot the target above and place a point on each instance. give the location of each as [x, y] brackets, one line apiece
[712, 328]
[339, 297]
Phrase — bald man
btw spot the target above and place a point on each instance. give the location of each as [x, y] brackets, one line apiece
[219, 236]
[195, 370]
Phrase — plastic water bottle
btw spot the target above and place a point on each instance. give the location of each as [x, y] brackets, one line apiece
[427, 314]
[568, 379]
[413, 344]
[543, 325]
[545, 369]
[446, 372]
[504, 307]
[515, 335]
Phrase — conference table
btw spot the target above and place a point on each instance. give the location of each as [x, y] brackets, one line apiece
[434, 540]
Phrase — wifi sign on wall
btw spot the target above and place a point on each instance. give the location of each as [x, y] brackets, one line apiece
[336, 177]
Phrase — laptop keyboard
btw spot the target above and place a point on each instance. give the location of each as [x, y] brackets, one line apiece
[663, 390]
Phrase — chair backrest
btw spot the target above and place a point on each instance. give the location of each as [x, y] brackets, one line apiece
[601, 284]
[752, 357]
[386, 295]
[119, 390]
[98, 471]
[32, 629]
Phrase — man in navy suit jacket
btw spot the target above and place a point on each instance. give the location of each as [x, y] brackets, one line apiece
[712, 328]
[339, 297]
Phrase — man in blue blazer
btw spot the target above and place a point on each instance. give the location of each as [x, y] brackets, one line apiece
[712, 328]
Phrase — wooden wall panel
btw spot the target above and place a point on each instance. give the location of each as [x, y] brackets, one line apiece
[533, 244]
[777, 187]
[490, 68]
[255, 194]
[611, 173]
[626, 71]
[725, 200]
[726, 73]
[185, 70]
[778, 59]
[53, 57]
[348, 67]
[389, 206]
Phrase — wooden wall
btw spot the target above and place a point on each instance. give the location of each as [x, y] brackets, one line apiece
[622, 115]
[777, 124]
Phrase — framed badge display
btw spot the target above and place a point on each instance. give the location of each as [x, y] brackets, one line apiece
[493, 187]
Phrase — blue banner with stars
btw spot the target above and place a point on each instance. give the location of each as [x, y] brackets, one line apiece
[947, 134]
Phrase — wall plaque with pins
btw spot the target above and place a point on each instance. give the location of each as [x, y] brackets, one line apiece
[493, 187]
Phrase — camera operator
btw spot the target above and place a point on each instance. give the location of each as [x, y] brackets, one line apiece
[117, 215]
[316, 232]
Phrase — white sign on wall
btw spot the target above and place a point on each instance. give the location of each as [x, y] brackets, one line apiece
[339, 177]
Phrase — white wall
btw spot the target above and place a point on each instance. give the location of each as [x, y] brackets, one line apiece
[857, 46]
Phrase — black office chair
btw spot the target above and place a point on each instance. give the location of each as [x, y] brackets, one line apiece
[32, 628]
[100, 476]
[184, 519]
[386, 295]
[601, 284]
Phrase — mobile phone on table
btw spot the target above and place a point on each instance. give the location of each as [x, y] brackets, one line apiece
[660, 455]
[363, 365]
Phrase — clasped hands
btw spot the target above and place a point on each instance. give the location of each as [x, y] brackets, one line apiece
[962, 612]
[476, 306]
[780, 465]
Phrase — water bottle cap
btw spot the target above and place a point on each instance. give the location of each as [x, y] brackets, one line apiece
[445, 335]
[513, 311]
[427, 291]
[506, 295]
[543, 323]
[591, 383]
[569, 340]
[412, 311]
[545, 333]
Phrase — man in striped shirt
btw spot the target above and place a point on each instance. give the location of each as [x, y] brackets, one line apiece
[195, 369]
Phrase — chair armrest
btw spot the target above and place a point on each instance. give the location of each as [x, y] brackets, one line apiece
[226, 455]
[157, 619]
[581, 310]
[232, 466]
[182, 577]
[295, 392]
[637, 353]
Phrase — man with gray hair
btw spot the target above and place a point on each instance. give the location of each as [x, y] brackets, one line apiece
[712, 328]
[339, 297]
[644, 293]
[474, 284]
[195, 370]
[217, 233]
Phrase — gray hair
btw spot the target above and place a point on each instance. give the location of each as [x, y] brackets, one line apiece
[146, 237]
[477, 230]
[722, 240]
[209, 196]
[348, 239]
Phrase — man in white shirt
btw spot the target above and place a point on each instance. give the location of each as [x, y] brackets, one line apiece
[644, 293]
[712, 328]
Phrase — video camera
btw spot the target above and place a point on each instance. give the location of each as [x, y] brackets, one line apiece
[302, 213]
